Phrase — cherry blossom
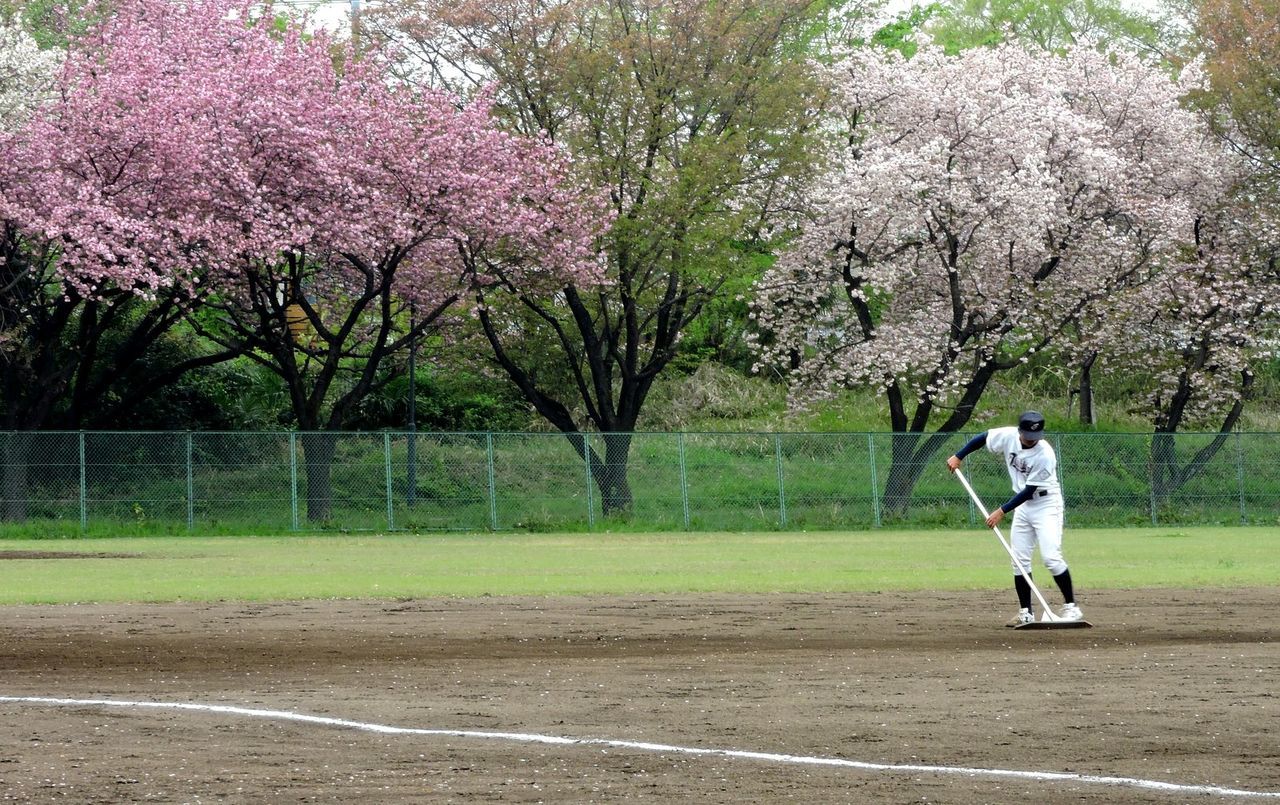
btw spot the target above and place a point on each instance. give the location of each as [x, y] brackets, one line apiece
[185, 144]
[251, 169]
[979, 205]
[26, 75]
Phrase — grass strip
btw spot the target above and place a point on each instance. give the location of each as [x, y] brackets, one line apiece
[152, 569]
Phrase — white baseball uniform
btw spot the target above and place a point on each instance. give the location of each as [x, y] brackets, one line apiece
[1038, 520]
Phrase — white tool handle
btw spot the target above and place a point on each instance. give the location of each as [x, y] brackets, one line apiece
[1048, 613]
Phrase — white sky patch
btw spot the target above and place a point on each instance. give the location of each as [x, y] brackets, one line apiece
[331, 15]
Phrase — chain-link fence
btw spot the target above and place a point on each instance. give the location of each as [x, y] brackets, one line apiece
[248, 483]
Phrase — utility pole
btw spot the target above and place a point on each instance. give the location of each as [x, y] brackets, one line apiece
[355, 26]
[412, 492]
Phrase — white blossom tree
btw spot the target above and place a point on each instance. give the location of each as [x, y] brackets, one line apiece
[26, 75]
[979, 206]
[1196, 329]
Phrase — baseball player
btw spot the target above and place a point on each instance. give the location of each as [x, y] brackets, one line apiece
[1036, 506]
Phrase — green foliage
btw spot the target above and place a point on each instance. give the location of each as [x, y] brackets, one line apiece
[1262, 413]
[218, 397]
[1242, 43]
[827, 28]
[697, 121]
[900, 35]
[446, 401]
[713, 397]
[50, 22]
[719, 334]
[1049, 25]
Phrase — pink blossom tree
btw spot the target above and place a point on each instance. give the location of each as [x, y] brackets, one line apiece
[99, 200]
[105, 207]
[35, 313]
[26, 81]
[431, 204]
[218, 160]
[980, 205]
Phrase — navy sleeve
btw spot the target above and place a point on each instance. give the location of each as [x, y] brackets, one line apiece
[975, 443]
[1019, 499]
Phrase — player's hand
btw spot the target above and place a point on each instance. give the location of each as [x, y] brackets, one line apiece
[954, 463]
[995, 517]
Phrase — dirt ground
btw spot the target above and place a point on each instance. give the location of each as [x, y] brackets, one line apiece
[1174, 686]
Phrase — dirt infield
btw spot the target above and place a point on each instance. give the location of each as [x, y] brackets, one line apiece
[1174, 686]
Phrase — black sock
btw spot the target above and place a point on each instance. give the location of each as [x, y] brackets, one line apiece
[1064, 583]
[1024, 591]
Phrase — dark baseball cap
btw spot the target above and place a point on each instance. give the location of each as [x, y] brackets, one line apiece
[1031, 426]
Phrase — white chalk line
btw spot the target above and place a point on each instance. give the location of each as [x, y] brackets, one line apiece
[770, 757]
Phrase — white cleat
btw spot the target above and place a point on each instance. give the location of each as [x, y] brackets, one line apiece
[1071, 612]
[1023, 617]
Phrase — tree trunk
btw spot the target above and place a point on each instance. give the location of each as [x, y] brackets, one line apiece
[1164, 467]
[610, 473]
[1086, 391]
[317, 453]
[1167, 477]
[907, 463]
[611, 478]
[902, 473]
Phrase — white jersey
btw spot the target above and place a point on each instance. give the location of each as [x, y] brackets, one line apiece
[1036, 465]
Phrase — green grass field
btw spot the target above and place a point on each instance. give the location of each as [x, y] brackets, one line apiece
[395, 566]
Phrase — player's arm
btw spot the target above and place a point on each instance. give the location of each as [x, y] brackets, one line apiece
[976, 443]
[1019, 499]
[1012, 503]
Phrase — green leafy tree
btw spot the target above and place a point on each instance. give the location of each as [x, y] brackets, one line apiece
[1046, 24]
[698, 120]
[1242, 41]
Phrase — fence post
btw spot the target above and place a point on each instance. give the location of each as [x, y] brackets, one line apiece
[586, 455]
[1244, 518]
[684, 481]
[1062, 487]
[782, 494]
[411, 464]
[1151, 477]
[391, 499]
[84, 488]
[875, 484]
[493, 485]
[293, 476]
[191, 488]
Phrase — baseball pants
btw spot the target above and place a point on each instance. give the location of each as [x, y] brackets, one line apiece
[1038, 521]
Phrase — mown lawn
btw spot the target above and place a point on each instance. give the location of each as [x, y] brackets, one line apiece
[393, 566]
